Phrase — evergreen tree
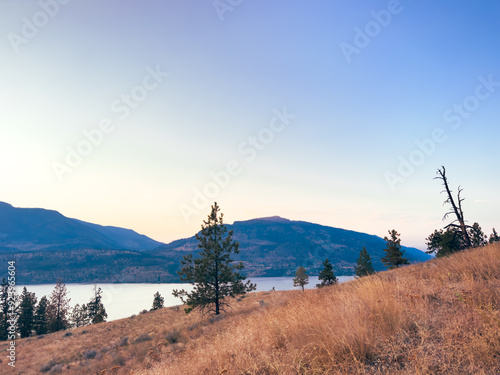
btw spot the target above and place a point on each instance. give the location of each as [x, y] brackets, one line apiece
[27, 313]
[301, 278]
[212, 273]
[494, 237]
[96, 311]
[158, 301]
[41, 320]
[444, 243]
[79, 316]
[364, 266]
[477, 236]
[58, 308]
[394, 255]
[326, 275]
[4, 309]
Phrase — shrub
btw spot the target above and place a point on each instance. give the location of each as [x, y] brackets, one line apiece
[123, 341]
[173, 337]
[68, 334]
[47, 366]
[57, 369]
[89, 354]
[144, 337]
[118, 360]
[216, 318]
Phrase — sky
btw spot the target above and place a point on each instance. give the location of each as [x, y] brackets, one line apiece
[142, 114]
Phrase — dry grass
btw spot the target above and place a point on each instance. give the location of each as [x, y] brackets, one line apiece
[440, 317]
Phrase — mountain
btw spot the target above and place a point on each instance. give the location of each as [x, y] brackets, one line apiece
[125, 238]
[275, 246]
[34, 229]
[50, 246]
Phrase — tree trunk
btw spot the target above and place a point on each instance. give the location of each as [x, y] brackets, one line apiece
[457, 210]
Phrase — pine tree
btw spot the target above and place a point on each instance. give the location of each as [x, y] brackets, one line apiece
[158, 301]
[477, 236]
[444, 243]
[364, 266]
[96, 311]
[494, 237]
[4, 309]
[394, 255]
[41, 320]
[79, 316]
[26, 313]
[213, 273]
[301, 278]
[58, 308]
[326, 275]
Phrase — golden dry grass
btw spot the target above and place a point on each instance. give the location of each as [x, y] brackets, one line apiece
[439, 317]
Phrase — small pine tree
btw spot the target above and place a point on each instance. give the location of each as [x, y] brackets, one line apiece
[96, 311]
[80, 316]
[444, 243]
[364, 266]
[326, 275]
[41, 321]
[477, 236]
[4, 309]
[58, 309]
[394, 255]
[301, 278]
[213, 274]
[494, 237]
[26, 313]
[158, 301]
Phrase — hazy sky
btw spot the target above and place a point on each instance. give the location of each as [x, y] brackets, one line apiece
[139, 114]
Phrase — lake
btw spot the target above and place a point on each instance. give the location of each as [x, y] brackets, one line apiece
[124, 300]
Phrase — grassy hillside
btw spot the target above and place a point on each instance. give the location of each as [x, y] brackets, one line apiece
[438, 317]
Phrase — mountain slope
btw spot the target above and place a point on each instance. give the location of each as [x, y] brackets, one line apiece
[125, 238]
[32, 229]
[276, 247]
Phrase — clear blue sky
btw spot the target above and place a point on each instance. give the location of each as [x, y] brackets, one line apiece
[314, 108]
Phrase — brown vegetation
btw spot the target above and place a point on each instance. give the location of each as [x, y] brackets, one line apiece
[439, 317]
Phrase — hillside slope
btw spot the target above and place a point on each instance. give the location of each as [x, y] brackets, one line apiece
[437, 317]
[276, 247]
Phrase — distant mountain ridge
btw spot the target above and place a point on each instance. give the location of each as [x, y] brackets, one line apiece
[51, 246]
[275, 246]
[35, 229]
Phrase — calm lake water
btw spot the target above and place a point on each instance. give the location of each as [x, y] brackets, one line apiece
[124, 300]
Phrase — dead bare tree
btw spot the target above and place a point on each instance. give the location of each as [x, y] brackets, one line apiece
[457, 210]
